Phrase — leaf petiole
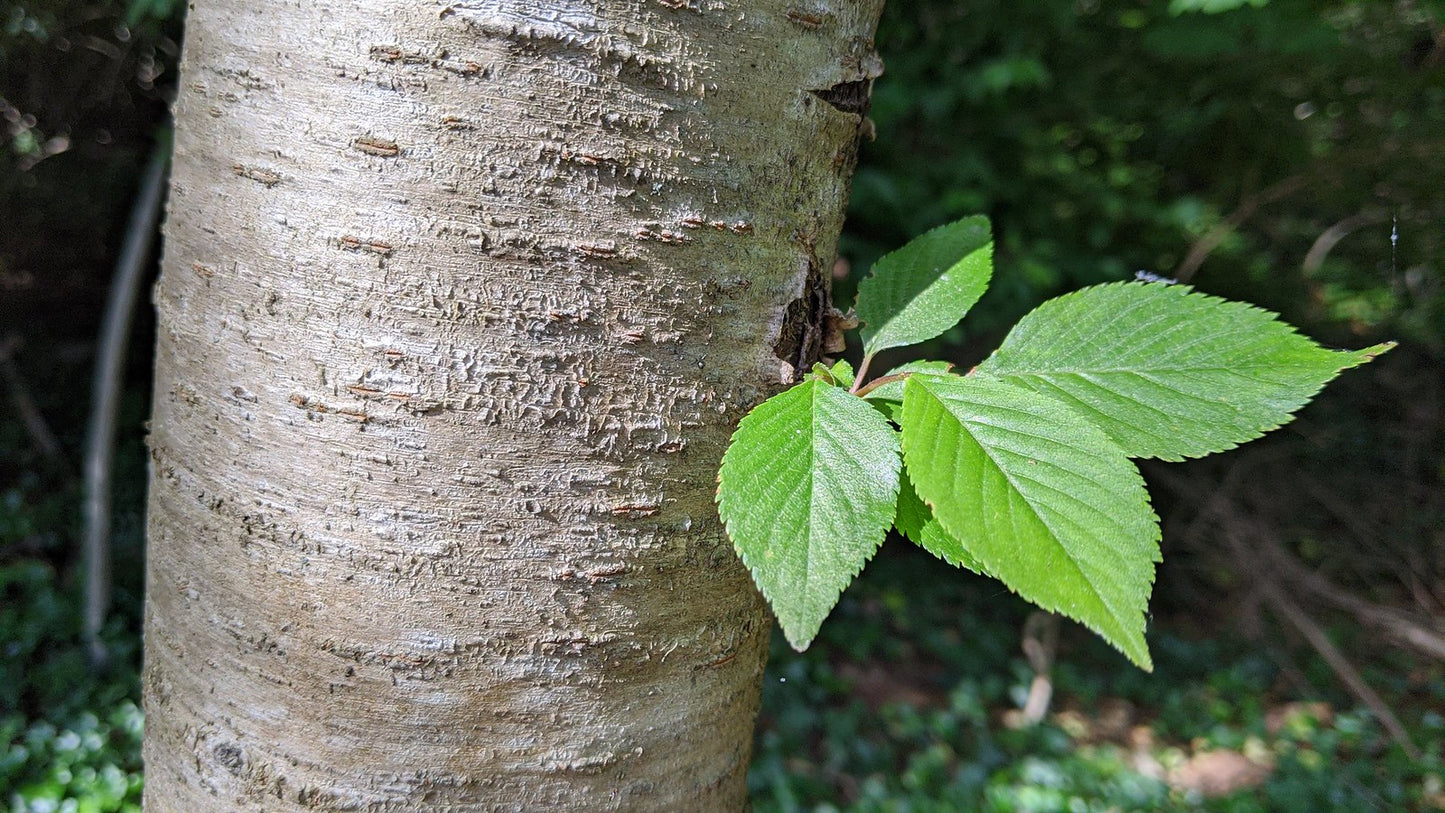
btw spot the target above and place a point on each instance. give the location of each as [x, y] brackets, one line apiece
[858, 377]
[862, 392]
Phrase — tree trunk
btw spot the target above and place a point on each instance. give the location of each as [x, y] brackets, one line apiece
[460, 304]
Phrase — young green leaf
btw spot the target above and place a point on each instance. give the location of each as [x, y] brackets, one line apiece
[916, 522]
[807, 490]
[821, 373]
[917, 292]
[1041, 498]
[1165, 372]
[842, 372]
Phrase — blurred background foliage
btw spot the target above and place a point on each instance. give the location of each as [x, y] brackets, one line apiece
[83, 92]
[1109, 137]
[1285, 152]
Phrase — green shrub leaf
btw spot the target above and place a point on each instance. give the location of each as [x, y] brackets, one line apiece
[917, 292]
[807, 490]
[1165, 372]
[1042, 499]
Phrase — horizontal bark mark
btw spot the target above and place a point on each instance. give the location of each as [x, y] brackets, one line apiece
[371, 145]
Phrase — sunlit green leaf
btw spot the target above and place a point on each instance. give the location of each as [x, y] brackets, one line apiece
[1042, 499]
[919, 291]
[1177, 7]
[1165, 372]
[807, 490]
[916, 522]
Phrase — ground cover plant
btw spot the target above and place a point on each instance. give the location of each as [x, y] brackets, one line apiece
[70, 735]
[909, 701]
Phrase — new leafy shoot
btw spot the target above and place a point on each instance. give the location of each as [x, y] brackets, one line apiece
[1020, 469]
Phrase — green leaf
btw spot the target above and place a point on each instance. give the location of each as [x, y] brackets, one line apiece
[1165, 372]
[807, 490]
[915, 521]
[842, 372]
[917, 292]
[820, 372]
[1178, 7]
[1043, 500]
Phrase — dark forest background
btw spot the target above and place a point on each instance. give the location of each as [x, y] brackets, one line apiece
[1290, 153]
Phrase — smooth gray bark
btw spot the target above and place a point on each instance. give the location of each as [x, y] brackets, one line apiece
[460, 304]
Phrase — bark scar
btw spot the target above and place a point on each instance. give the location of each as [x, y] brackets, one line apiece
[848, 97]
[811, 325]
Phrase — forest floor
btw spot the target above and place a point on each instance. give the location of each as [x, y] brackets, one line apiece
[913, 700]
